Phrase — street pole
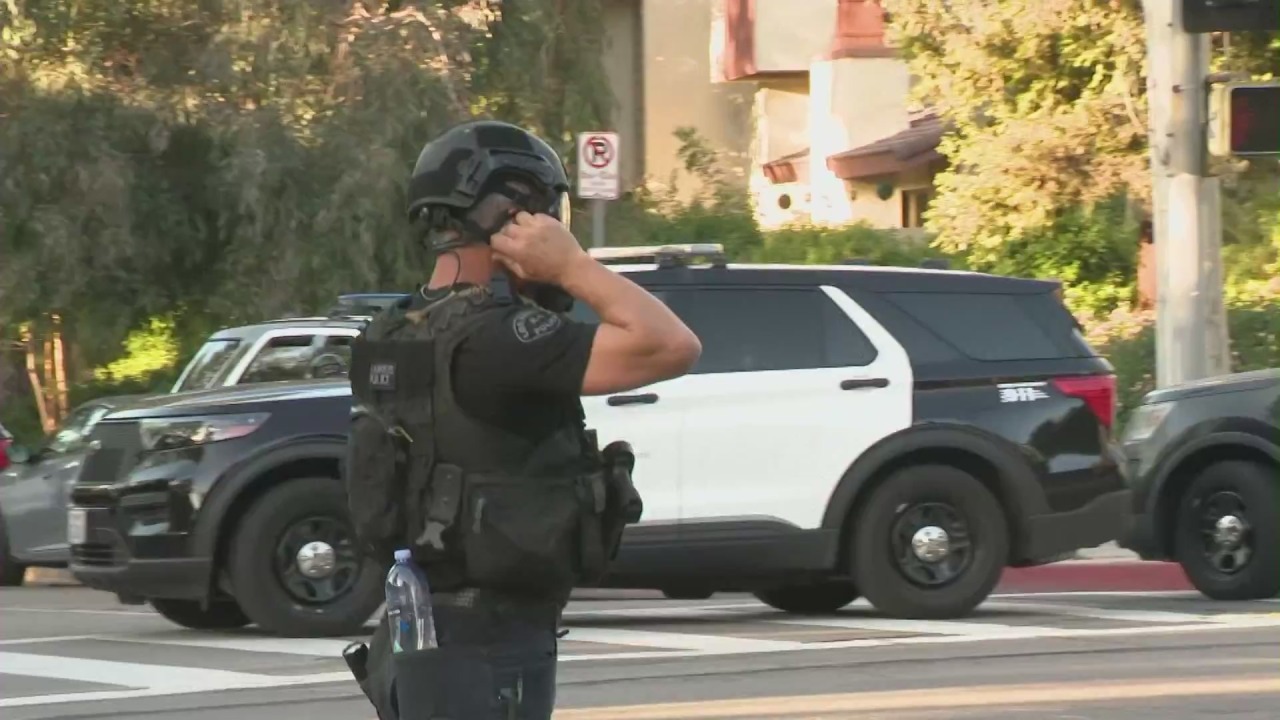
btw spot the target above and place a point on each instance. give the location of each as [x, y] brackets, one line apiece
[597, 222]
[1191, 334]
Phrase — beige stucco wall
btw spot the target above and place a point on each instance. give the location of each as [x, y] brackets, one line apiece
[789, 34]
[781, 128]
[853, 102]
[679, 91]
[866, 205]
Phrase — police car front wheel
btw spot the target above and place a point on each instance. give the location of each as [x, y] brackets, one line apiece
[930, 543]
[294, 566]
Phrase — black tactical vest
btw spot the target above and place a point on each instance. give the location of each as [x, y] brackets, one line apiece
[478, 506]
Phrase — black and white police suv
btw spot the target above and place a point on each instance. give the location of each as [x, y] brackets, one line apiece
[1205, 465]
[901, 434]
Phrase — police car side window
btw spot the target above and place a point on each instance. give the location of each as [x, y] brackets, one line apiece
[759, 329]
[282, 358]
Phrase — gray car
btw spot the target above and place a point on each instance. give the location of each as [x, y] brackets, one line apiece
[34, 490]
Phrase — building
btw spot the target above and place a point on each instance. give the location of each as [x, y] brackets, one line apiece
[805, 100]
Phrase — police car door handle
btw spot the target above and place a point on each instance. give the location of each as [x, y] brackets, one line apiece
[642, 399]
[861, 383]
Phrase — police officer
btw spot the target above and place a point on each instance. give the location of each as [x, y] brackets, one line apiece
[468, 440]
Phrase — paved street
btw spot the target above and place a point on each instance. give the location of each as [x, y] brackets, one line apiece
[67, 652]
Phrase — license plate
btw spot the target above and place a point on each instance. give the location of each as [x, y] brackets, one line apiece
[77, 527]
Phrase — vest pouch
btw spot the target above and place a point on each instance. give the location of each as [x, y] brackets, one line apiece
[520, 533]
[374, 487]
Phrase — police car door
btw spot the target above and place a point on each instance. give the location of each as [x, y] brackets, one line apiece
[649, 418]
[794, 383]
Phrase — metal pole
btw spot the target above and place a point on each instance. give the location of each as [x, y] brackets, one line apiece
[1190, 319]
[597, 222]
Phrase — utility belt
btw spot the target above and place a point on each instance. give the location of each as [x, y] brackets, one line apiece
[524, 533]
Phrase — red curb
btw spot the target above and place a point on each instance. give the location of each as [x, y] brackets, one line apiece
[1095, 576]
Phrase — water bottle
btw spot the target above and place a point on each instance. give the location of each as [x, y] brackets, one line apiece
[409, 606]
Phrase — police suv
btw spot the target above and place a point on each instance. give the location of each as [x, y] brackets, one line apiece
[896, 433]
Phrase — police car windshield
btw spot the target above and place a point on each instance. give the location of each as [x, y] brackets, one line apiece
[207, 365]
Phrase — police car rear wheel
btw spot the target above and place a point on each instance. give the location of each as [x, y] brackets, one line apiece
[930, 543]
[814, 599]
[220, 615]
[293, 563]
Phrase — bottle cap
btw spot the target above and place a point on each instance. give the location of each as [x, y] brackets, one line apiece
[403, 555]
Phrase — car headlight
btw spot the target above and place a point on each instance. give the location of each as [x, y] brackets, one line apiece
[1145, 420]
[171, 433]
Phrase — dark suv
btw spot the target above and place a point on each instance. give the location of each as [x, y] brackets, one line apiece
[1205, 460]
[902, 434]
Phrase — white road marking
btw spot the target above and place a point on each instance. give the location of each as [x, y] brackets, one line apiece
[158, 680]
[127, 674]
[703, 644]
[314, 647]
[74, 611]
[47, 639]
[1141, 616]
[990, 631]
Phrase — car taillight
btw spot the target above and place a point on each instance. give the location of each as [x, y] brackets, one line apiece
[4, 454]
[1097, 391]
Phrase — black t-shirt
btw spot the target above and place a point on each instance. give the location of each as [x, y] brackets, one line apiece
[522, 371]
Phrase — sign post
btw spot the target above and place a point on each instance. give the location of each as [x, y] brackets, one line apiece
[598, 178]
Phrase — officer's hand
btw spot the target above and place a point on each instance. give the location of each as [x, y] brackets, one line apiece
[537, 248]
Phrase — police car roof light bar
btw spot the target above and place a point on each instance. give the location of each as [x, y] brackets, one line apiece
[665, 256]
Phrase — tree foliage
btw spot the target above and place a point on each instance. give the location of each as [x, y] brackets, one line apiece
[230, 160]
[1047, 102]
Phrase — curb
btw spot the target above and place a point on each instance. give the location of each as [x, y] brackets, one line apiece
[1095, 576]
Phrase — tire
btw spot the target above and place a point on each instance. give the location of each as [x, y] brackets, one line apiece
[816, 599]
[882, 577]
[687, 594]
[1214, 490]
[264, 576]
[220, 615]
[12, 572]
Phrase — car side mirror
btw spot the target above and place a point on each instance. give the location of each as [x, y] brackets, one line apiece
[19, 454]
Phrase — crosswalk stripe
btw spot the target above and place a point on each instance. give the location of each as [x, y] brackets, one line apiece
[313, 647]
[709, 644]
[125, 674]
[924, 627]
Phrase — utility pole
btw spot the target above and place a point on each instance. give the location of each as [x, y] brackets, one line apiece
[1191, 332]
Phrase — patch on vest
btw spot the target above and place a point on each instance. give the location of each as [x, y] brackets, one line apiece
[533, 323]
[382, 376]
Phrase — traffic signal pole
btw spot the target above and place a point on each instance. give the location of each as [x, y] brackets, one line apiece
[1191, 331]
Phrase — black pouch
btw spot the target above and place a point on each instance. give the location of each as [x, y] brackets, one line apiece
[521, 533]
[371, 666]
[375, 485]
[446, 683]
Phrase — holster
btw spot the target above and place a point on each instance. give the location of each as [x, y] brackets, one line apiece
[371, 666]
[447, 683]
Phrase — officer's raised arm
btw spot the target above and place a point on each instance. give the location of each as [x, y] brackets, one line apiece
[639, 341]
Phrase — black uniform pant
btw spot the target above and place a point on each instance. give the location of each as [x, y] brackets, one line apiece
[496, 660]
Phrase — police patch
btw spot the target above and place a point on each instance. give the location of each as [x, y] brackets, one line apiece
[382, 376]
[533, 323]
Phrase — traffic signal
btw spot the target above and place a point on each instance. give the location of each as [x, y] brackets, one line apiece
[1244, 119]
[1206, 16]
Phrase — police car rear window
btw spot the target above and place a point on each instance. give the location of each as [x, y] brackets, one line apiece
[995, 327]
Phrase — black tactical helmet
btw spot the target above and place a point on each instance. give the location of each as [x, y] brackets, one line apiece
[477, 159]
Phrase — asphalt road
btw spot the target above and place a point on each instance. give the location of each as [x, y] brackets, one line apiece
[67, 652]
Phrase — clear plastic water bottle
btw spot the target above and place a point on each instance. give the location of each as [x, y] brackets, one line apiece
[409, 606]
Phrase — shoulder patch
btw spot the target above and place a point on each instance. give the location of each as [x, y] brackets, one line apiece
[533, 323]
